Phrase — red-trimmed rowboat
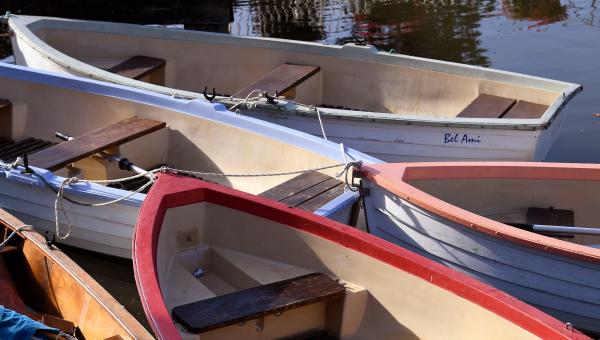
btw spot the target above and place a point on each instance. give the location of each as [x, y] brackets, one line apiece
[529, 229]
[213, 262]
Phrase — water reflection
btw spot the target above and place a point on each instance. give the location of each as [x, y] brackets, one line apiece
[542, 11]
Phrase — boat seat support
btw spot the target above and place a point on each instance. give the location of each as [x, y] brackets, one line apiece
[280, 80]
[60, 155]
[308, 191]
[550, 216]
[257, 302]
[138, 67]
[5, 119]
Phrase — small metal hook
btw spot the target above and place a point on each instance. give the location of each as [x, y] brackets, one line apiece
[358, 40]
[271, 99]
[50, 242]
[209, 98]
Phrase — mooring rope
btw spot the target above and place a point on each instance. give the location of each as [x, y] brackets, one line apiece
[59, 208]
[261, 94]
[18, 230]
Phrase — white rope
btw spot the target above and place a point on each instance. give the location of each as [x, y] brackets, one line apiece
[59, 207]
[19, 229]
[320, 122]
[254, 100]
[200, 174]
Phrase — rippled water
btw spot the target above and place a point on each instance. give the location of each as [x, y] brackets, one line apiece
[548, 38]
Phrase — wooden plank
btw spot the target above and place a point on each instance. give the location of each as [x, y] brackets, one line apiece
[487, 106]
[309, 193]
[5, 119]
[318, 201]
[60, 155]
[19, 149]
[294, 185]
[137, 67]
[252, 303]
[282, 79]
[526, 110]
[550, 216]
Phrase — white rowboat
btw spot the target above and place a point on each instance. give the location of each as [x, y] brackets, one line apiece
[394, 107]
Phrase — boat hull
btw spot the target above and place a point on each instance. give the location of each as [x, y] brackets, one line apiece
[109, 229]
[396, 142]
[50, 282]
[222, 245]
[566, 288]
[424, 127]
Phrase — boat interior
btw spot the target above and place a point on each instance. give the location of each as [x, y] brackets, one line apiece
[525, 202]
[47, 286]
[297, 285]
[150, 137]
[310, 74]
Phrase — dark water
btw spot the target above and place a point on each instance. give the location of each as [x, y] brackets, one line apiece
[549, 38]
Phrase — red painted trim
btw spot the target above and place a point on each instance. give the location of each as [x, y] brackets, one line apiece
[172, 191]
[395, 177]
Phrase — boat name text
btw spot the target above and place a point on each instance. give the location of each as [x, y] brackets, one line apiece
[460, 138]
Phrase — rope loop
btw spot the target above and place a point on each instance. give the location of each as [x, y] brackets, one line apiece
[18, 230]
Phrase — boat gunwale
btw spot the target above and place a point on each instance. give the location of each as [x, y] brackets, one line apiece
[393, 178]
[76, 273]
[172, 191]
[25, 26]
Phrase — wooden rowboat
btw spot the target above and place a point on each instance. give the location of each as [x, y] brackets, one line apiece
[45, 285]
[151, 130]
[394, 107]
[529, 229]
[213, 262]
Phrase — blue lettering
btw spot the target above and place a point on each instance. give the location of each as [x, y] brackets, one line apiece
[464, 139]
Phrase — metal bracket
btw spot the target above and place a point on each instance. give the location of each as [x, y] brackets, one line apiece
[50, 242]
[207, 97]
[358, 40]
[271, 99]
[26, 165]
[260, 324]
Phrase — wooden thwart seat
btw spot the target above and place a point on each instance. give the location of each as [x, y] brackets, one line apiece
[60, 155]
[309, 191]
[489, 106]
[137, 67]
[280, 80]
[550, 216]
[253, 303]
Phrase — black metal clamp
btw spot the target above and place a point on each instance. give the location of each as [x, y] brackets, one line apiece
[50, 242]
[27, 169]
[209, 98]
[358, 40]
[271, 99]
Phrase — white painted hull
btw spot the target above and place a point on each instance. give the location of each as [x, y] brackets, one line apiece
[409, 143]
[565, 288]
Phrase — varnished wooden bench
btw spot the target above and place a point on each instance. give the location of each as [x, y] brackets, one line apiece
[280, 80]
[308, 191]
[489, 106]
[60, 155]
[253, 303]
[138, 67]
